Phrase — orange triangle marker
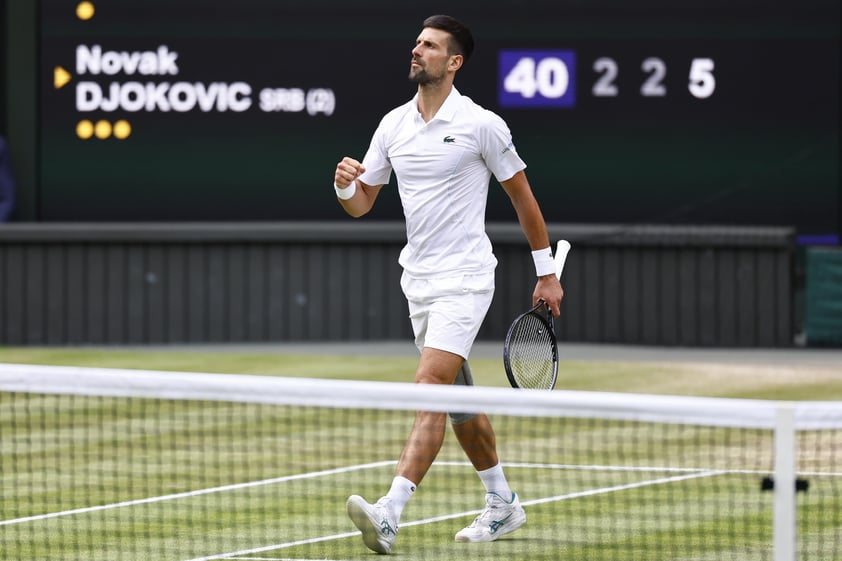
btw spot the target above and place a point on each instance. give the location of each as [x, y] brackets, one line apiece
[60, 77]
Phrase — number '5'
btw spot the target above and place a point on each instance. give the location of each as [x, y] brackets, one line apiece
[702, 83]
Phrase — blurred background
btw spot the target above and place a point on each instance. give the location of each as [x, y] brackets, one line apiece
[168, 167]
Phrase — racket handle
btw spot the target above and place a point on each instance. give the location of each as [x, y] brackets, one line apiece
[562, 248]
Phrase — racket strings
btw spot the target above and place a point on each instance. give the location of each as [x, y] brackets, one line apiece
[531, 356]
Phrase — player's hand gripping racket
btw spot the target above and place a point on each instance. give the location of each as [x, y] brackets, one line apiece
[530, 354]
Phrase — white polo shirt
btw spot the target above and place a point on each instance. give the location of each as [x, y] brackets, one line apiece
[443, 169]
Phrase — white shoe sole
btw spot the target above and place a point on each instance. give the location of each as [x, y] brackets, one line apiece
[359, 512]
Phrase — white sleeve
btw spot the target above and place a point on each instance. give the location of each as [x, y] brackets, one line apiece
[378, 168]
[498, 150]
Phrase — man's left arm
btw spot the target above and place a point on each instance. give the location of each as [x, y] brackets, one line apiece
[534, 227]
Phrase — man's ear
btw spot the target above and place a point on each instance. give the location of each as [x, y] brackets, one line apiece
[455, 62]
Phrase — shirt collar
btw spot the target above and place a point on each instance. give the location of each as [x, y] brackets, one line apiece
[448, 109]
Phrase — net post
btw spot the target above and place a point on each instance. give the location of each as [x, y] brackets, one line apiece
[784, 515]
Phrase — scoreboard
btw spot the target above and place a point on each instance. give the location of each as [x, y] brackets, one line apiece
[716, 113]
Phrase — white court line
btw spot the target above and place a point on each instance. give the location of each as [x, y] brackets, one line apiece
[236, 486]
[197, 493]
[690, 474]
[360, 467]
[586, 467]
[557, 498]
[653, 469]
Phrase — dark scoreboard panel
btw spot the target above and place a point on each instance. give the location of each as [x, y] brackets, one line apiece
[725, 112]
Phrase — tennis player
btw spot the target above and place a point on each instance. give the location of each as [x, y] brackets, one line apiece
[443, 149]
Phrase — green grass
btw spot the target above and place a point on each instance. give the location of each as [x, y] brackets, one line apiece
[57, 455]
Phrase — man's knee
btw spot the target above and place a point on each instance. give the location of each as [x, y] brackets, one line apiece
[437, 367]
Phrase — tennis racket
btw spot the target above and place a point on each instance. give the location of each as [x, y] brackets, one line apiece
[530, 354]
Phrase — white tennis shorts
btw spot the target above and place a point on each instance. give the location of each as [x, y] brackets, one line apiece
[447, 313]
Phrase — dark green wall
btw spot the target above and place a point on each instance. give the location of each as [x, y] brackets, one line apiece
[67, 284]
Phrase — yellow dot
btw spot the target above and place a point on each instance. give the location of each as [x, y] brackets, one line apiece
[122, 129]
[85, 10]
[102, 129]
[85, 129]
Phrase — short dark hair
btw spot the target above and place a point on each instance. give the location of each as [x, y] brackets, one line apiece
[462, 42]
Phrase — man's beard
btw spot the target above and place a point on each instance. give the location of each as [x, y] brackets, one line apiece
[422, 78]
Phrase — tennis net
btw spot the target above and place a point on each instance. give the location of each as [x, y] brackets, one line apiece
[106, 464]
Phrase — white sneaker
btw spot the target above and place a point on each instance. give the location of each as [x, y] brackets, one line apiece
[376, 522]
[498, 519]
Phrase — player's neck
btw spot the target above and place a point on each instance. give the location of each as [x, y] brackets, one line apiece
[431, 97]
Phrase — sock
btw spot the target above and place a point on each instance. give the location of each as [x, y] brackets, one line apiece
[400, 493]
[495, 482]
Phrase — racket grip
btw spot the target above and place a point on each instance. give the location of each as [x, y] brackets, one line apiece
[562, 248]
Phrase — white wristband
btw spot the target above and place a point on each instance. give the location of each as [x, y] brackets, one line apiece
[347, 192]
[544, 264]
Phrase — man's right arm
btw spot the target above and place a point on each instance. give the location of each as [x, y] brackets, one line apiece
[356, 197]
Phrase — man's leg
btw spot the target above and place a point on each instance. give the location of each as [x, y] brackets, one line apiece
[427, 435]
[503, 513]
[474, 431]
[478, 441]
[379, 522]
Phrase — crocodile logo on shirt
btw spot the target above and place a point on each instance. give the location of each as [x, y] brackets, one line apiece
[449, 139]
